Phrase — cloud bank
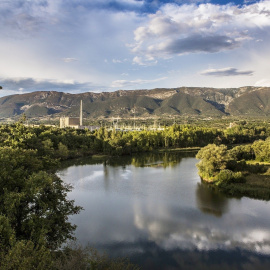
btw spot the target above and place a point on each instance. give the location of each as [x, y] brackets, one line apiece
[30, 84]
[226, 72]
[134, 83]
[205, 28]
[99, 40]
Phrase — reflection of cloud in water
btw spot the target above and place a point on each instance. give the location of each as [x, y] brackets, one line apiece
[126, 174]
[84, 182]
[153, 213]
[191, 230]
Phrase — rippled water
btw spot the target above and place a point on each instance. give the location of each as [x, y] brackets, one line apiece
[155, 210]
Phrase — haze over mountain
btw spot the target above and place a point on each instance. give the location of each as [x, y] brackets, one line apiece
[182, 101]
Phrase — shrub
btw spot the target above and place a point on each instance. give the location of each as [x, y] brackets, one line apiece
[228, 176]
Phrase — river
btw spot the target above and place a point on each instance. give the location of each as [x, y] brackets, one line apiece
[154, 210]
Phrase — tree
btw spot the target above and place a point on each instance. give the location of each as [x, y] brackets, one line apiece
[34, 201]
[262, 150]
[62, 151]
[25, 255]
[213, 159]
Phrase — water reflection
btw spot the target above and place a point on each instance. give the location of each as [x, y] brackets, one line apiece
[150, 159]
[155, 210]
[211, 201]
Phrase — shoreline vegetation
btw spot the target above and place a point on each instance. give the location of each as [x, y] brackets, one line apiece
[243, 170]
[34, 207]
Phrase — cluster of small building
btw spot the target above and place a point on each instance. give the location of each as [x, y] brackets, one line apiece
[77, 123]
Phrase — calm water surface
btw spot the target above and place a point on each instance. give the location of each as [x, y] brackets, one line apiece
[155, 210]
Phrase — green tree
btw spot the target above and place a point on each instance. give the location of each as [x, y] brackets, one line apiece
[213, 159]
[34, 201]
[25, 255]
[62, 151]
[262, 150]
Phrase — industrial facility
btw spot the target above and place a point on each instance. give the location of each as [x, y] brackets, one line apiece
[73, 122]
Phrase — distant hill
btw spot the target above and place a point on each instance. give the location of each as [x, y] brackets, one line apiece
[252, 103]
[187, 101]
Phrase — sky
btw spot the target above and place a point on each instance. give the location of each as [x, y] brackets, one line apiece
[79, 46]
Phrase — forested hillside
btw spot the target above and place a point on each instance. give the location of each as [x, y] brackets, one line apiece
[183, 101]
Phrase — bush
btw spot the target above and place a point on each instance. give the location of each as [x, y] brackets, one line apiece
[228, 176]
[242, 152]
[75, 256]
[25, 255]
[213, 159]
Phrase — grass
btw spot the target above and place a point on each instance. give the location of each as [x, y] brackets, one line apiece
[99, 156]
[187, 149]
[257, 162]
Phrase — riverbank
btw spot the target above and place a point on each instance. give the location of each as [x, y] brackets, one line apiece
[237, 171]
[186, 149]
[253, 185]
[256, 186]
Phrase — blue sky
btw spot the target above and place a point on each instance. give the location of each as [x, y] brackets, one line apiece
[101, 45]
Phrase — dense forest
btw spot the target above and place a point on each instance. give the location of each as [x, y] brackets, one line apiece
[34, 208]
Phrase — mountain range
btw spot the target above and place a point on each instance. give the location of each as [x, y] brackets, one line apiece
[182, 101]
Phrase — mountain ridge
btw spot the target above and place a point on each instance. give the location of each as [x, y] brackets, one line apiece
[188, 101]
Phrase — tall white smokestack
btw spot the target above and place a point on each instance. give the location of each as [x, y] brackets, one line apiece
[81, 114]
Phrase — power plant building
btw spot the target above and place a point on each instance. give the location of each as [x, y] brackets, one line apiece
[73, 122]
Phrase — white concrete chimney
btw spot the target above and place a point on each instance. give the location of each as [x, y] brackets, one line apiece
[81, 114]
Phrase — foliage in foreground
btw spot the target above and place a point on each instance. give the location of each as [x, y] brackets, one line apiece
[24, 255]
[34, 201]
[76, 257]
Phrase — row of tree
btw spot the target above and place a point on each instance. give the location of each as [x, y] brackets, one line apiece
[65, 143]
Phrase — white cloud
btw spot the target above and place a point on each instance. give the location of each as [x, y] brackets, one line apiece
[131, 2]
[207, 28]
[32, 84]
[27, 17]
[69, 60]
[263, 82]
[119, 61]
[148, 61]
[134, 83]
[85, 40]
[226, 72]
[64, 32]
